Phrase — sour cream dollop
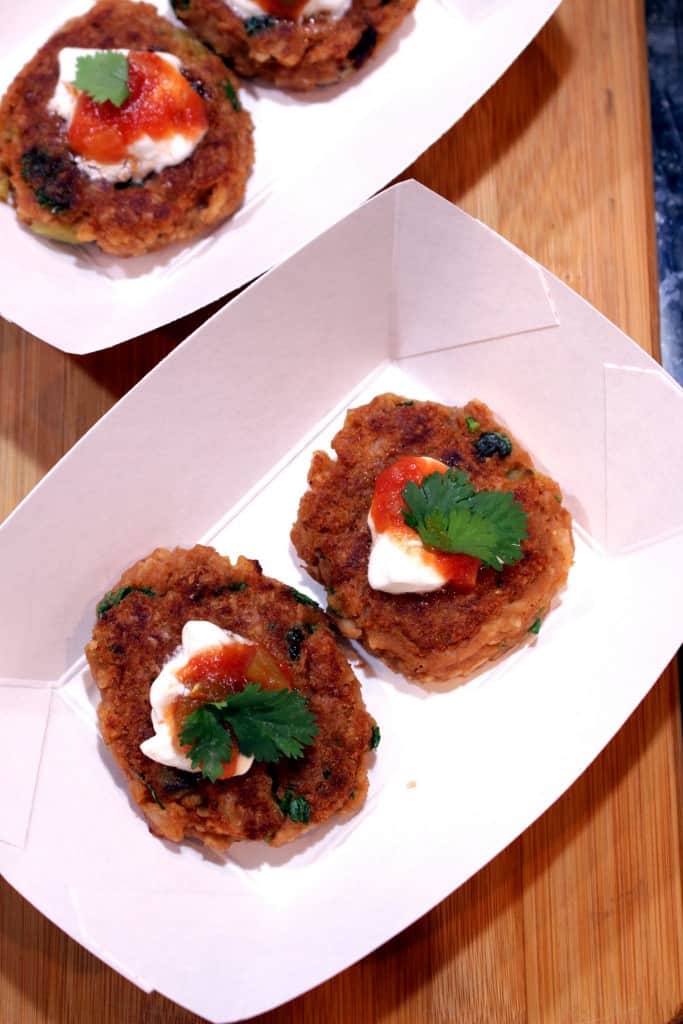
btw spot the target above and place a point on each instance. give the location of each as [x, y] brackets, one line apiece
[159, 125]
[198, 637]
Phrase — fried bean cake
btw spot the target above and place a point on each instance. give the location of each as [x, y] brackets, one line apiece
[443, 634]
[139, 629]
[280, 42]
[49, 182]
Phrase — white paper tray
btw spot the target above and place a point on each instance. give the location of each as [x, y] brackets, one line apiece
[317, 157]
[346, 318]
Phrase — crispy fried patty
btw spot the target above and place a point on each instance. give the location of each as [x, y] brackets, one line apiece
[295, 55]
[132, 641]
[439, 635]
[61, 201]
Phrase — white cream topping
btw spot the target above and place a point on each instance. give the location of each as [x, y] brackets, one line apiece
[397, 563]
[335, 9]
[145, 155]
[197, 637]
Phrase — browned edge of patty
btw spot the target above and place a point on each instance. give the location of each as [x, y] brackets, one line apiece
[133, 640]
[295, 55]
[55, 197]
[438, 636]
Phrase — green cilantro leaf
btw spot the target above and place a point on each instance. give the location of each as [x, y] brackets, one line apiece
[303, 598]
[449, 515]
[103, 76]
[258, 23]
[231, 95]
[506, 515]
[473, 425]
[270, 724]
[208, 739]
[295, 638]
[114, 597]
[535, 626]
[490, 443]
[438, 493]
[375, 737]
[295, 807]
[151, 790]
[267, 724]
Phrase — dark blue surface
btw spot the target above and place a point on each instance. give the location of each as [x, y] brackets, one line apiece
[665, 58]
[665, 53]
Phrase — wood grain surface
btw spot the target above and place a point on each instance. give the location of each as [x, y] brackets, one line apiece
[580, 920]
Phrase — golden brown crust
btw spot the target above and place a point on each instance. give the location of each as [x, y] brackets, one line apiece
[133, 640]
[436, 636]
[49, 189]
[293, 55]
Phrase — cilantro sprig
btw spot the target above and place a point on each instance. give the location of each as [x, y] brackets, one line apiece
[450, 515]
[103, 76]
[267, 724]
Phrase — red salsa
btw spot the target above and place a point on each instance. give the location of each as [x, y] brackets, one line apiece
[161, 103]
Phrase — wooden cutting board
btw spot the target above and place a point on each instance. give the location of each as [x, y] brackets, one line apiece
[580, 920]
